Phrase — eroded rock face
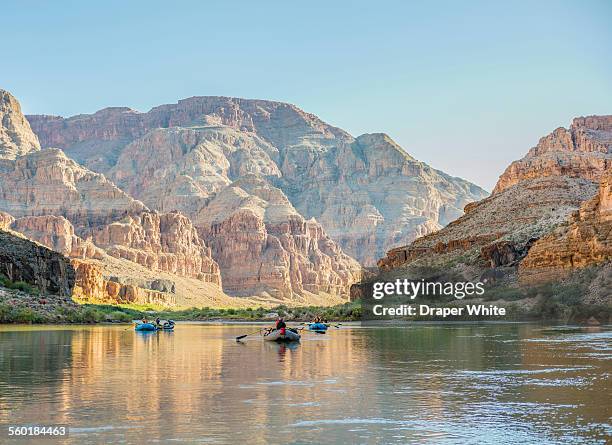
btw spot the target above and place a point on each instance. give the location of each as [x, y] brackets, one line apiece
[89, 282]
[518, 215]
[46, 182]
[186, 167]
[6, 221]
[62, 205]
[505, 253]
[92, 286]
[16, 136]
[370, 195]
[367, 193]
[584, 241]
[582, 151]
[533, 195]
[56, 233]
[23, 260]
[264, 246]
[161, 242]
[281, 123]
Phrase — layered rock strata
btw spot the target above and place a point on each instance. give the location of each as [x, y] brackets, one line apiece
[516, 216]
[263, 245]
[534, 195]
[366, 192]
[585, 240]
[165, 242]
[93, 286]
[46, 182]
[56, 233]
[78, 213]
[582, 151]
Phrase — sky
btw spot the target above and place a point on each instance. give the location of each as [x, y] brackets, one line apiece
[465, 86]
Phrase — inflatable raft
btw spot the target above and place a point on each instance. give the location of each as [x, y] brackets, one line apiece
[317, 327]
[146, 327]
[276, 335]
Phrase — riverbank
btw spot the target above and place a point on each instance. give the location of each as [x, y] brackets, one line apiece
[22, 305]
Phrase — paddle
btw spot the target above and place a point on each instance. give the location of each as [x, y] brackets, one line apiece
[240, 337]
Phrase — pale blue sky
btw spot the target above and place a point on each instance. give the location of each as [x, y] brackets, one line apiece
[465, 86]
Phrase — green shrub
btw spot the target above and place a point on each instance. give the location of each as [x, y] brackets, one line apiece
[27, 315]
[120, 316]
[18, 285]
[6, 313]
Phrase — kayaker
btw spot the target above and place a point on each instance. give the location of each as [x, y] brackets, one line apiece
[280, 325]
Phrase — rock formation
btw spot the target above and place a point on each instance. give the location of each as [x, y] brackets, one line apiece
[102, 279]
[92, 286]
[56, 233]
[586, 239]
[6, 221]
[263, 245]
[24, 260]
[533, 196]
[516, 215]
[46, 182]
[367, 193]
[53, 200]
[185, 167]
[582, 151]
[161, 242]
[16, 136]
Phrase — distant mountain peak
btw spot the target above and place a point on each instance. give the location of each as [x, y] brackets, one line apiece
[16, 136]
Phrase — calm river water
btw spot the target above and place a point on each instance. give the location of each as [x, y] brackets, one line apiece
[423, 383]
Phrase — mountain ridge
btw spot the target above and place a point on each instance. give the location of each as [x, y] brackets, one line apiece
[324, 171]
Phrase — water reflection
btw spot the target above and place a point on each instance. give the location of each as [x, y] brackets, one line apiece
[508, 383]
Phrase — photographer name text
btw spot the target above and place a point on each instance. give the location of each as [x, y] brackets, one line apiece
[424, 310]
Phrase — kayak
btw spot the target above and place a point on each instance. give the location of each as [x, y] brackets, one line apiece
[317, 327]
[275, 335]
[146, 327]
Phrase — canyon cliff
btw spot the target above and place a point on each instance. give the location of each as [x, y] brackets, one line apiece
[584, 240]
[49, 198]
[263, 244]
[581, 151]
[549, 215]
[113, 237]
[367, 193]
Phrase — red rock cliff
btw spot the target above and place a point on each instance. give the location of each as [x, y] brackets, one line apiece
[582, 151]
[585, 240]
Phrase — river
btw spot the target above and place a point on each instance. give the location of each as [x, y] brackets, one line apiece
[506, 383]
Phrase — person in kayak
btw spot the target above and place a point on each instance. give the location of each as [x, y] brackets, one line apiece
[281, 325]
